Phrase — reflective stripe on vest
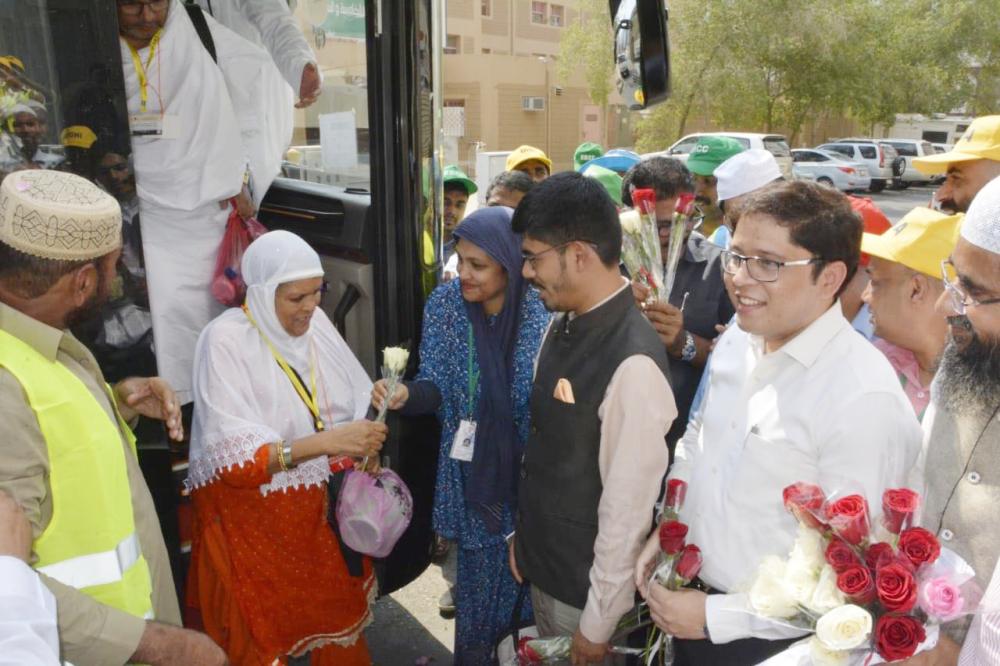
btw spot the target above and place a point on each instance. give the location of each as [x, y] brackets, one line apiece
[96, 568]
[90, 542]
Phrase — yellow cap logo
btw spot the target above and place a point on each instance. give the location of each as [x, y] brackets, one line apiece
[78, 136]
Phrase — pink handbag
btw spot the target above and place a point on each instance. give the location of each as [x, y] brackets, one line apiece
[373, 511]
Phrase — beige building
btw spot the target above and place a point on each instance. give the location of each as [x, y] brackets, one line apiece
[502, 89]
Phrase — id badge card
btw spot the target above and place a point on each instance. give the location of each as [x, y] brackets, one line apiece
[154, 125]
[465, 441]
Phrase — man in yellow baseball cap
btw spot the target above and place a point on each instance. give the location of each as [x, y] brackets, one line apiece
[531, 161]
[973, 162]
[905, 271]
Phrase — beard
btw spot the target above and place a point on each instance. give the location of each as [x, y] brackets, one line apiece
[93, 308]
[968, 378]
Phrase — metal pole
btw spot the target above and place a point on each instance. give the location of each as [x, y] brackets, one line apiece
[548, 108]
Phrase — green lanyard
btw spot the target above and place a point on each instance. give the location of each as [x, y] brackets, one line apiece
[473, 374]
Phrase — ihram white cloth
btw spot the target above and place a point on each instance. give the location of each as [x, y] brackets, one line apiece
[981, 225]
[270, 24]
[243, 399]
[28, 633]
[223, 127]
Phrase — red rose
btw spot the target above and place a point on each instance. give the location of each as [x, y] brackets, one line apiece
[878, 555]
[856, 583]
[898, 507]
[919, 546]
[672, 533]
[840, 556]
[848, 517]
[525, 655]
[689, 563]
[897, 636]
[685, 204]
[805, 502]
[676, 491]
[896, 588]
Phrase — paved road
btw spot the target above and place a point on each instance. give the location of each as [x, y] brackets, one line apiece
[897, 203]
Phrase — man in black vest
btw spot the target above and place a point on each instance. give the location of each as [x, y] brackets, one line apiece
[600, 408]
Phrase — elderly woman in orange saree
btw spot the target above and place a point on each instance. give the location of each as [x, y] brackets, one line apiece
[279, 403]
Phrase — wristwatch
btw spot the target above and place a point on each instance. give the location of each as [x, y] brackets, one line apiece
[689, 350]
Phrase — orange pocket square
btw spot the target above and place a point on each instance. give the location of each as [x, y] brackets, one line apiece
[564, 392]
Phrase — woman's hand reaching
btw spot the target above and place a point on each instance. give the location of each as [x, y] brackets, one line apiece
[381, 389]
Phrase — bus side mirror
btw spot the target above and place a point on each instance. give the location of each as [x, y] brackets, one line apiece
[642, 51]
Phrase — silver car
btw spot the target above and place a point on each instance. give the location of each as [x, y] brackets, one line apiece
[830, 168]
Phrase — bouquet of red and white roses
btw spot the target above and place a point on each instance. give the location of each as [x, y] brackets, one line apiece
[863, 589]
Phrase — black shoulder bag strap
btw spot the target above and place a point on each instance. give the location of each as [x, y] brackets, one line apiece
[201, 27]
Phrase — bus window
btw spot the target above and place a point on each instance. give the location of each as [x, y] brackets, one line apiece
[330, 144]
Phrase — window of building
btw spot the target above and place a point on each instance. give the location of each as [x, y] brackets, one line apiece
[557, 16]
[486, 8]
[540, 12]
[452, 44]
[487, 51]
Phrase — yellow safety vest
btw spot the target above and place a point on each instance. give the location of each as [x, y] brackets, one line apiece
[90, 543]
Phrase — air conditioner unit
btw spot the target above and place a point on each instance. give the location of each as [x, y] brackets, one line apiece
[532, 103]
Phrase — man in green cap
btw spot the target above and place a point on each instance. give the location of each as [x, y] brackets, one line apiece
[457, 189]
[611, 181]
[707, 155]
[585, 152]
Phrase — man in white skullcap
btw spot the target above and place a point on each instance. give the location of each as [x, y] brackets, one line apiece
[67, 455]
[961, 427]
[206, 136]
[736, 179]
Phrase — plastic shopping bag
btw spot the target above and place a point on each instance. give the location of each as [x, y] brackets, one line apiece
[227, 283]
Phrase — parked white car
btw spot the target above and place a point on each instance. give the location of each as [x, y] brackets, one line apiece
[879, 158]
[829, 168]
[908, 149]
[776, 144]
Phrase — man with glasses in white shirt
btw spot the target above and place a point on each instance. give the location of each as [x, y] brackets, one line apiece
[794, 394]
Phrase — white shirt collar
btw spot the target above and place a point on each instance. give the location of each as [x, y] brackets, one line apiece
[810, 341]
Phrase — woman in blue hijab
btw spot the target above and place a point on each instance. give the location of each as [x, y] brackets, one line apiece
[481, 334]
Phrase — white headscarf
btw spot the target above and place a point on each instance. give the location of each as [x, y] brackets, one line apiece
[243, 399]
[273, 259]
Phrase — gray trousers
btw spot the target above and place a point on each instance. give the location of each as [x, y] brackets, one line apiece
[555, 618]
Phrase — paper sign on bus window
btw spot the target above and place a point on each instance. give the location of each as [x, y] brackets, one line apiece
[338, 137]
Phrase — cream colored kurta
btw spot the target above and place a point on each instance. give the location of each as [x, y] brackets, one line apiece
[90, 633]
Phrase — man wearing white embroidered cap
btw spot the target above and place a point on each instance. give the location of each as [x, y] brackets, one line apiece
[736, 179]
[68, 456]
[961, 427]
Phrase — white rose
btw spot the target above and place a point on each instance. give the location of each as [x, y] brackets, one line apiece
[823, 656]
[844, 628]
[827, 595]
[804, 565]
[394, 359]
[630, 221]
[809, 547]
[768, 595]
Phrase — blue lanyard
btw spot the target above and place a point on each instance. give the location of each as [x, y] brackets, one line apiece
[473, 374]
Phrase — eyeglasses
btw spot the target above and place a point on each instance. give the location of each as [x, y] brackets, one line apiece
[759, 268]
[960, 301]
[136, 7]
[533, 258]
